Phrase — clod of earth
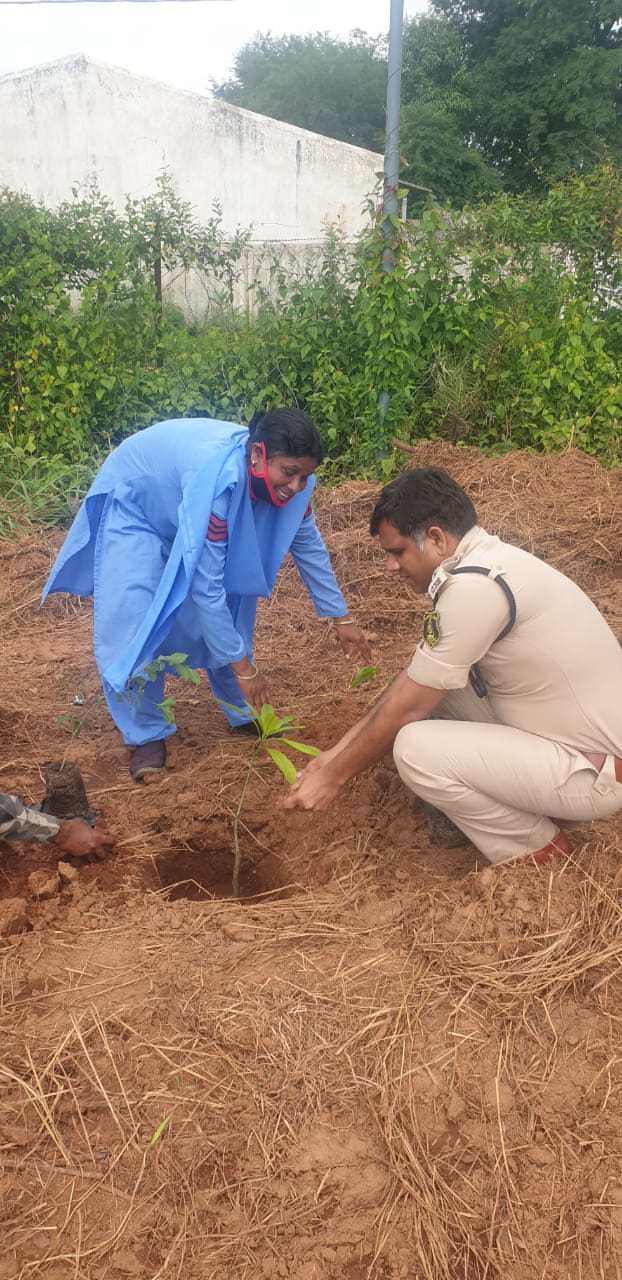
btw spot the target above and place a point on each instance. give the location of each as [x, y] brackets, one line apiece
[65, 793]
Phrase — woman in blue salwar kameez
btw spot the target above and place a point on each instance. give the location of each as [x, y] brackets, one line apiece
[184, 527]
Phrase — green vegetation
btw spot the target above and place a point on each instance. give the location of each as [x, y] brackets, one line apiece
[363, 675]
[84, 334]
[500, 327]
[43, 491]
[170, 664]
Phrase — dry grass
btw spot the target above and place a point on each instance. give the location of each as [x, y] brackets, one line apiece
[426, 1078]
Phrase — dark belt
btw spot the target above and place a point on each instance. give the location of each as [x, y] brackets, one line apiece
[617, 768]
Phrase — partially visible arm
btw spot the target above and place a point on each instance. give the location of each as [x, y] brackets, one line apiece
[403, 702]
[19, 822]
[74, 837]
[313, 564]
[210, 598]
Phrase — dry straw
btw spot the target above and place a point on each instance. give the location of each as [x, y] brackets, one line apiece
[399, 1069]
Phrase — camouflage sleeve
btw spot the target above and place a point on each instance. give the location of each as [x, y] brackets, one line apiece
[17, 822]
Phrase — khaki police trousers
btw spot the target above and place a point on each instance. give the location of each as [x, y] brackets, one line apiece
[507, 790]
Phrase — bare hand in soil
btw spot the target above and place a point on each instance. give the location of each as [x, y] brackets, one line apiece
[353, 640]
[77, 839]
[315, 789]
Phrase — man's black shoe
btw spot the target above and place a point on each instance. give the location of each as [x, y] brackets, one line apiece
[443, 831]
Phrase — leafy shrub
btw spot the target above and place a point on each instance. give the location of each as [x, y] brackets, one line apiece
[501, 327]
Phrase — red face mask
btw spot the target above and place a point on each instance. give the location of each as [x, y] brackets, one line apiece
[260, 483]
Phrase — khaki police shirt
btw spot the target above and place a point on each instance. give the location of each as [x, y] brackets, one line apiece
[557, 674]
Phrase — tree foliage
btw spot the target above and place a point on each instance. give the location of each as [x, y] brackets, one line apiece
[435, 115]
[543, 80]
[330, 86]
[511, 94]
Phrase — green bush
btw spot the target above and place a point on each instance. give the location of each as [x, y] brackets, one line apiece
[501, 327]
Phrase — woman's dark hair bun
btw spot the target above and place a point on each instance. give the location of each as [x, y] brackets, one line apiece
[288, 431]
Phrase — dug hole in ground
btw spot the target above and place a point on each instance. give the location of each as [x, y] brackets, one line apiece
[379, 1062]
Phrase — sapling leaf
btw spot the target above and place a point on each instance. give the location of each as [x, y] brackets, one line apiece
[166, 707]
[239, 711]
[188, 673]
[362, 675]
[269, 721]
[301, 746]
[281, 761]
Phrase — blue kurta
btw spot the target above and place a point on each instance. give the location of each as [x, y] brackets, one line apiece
[138, 545]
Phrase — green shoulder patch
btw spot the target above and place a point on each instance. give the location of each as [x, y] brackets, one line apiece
[431, 627]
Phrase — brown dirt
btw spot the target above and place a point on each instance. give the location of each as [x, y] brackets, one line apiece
[381, 1062]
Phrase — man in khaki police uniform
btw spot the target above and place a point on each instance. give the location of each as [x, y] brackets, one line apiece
[509, 717]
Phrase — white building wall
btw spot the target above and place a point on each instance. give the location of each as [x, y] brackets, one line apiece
[74, 121]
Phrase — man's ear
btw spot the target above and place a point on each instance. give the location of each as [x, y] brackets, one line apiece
[438, 536]
[443, 541]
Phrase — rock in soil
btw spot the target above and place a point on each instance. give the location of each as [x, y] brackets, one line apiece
[42, 885]
[67, 873]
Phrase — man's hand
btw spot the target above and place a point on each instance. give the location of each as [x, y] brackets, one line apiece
[77, 839]
[353, 640]
[403, 702]
[316, 787]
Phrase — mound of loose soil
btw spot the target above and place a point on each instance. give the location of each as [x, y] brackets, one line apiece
[381, 1062]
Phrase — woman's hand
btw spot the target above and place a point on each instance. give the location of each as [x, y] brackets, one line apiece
[252, 683]
[353, 640]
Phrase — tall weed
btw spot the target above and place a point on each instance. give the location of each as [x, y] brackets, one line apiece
[41, 491]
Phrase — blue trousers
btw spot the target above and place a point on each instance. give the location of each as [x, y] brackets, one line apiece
[134, 567]
[139, 719]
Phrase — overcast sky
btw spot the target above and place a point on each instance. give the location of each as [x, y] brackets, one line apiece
[185, 44]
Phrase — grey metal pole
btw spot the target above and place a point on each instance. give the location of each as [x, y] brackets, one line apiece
[392, 144]
[392, 147]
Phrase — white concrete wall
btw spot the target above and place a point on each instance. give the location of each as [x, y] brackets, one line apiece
[74, 121]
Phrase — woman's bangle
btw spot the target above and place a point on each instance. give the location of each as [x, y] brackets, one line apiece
[344, 622]
[254, 672]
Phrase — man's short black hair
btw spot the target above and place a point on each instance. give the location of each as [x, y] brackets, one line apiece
[423, 497]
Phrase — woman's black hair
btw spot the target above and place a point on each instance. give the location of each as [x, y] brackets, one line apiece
[423, 497]
[288, 431]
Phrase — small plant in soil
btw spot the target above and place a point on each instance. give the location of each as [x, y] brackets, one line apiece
[173, 662]
[265, 720]
[268, 726]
